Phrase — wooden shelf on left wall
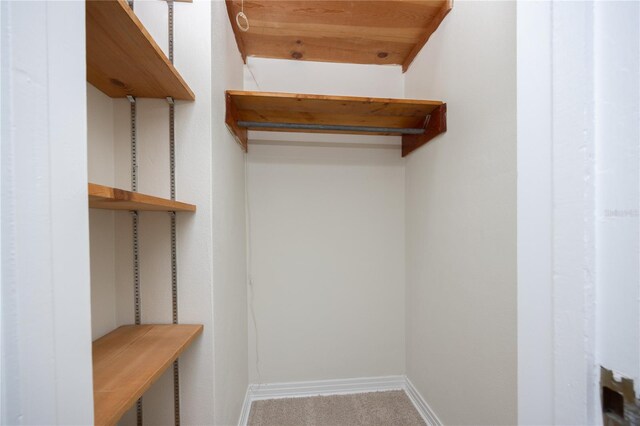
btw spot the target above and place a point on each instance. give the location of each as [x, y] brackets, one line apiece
[108, 198]
[122, 57]
[127, 361]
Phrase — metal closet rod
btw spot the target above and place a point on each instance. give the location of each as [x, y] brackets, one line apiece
[334, 127]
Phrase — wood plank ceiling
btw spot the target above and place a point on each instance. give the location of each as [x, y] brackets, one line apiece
[359, 31]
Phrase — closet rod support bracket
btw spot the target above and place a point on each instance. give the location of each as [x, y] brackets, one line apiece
[435, 124]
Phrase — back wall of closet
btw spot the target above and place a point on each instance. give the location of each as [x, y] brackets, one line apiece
[327, 237]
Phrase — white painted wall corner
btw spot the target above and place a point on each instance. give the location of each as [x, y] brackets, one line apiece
[420, 403]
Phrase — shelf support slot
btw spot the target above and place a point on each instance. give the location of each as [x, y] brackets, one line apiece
[134, 227]
[172, 215]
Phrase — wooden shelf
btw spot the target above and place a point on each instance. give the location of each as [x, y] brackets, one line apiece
[418, 121]
[122, 57]
[127, 361]
[361, 32]
[108, 198]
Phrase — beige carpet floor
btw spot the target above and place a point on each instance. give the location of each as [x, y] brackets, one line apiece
[392, 408]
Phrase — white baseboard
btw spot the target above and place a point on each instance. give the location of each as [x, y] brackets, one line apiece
[421, 405]
[246, 408]
[337, 387]
[325, 387]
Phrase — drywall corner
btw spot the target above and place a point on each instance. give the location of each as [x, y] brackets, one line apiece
[229, 243]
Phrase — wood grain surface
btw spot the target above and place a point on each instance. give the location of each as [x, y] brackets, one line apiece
[127, 361]
[122, 57]
[361, 31]
[108, 198]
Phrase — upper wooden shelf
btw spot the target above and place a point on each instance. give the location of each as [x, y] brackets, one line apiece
[127, 361]
[418, 121]
[361, 32]
[122, 57]
[108, 198]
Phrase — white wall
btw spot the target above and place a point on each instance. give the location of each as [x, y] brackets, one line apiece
[46, 332]
[327, 239]
[535, 201]
[461, 221]
[211, 258]
[586, 230]
[617, 140]
[572, 214]
[229, 238]
[279, 75]
[327, 249]
[100, 151]
[322, 78]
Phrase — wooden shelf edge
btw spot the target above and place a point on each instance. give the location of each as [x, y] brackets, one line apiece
[231, 120]
[432, 27]
[109, 198]
[143, 79]
[128, 360]
[436, 125]
[335, 114]
[190, 96]
[236, 34]
[336, 98]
